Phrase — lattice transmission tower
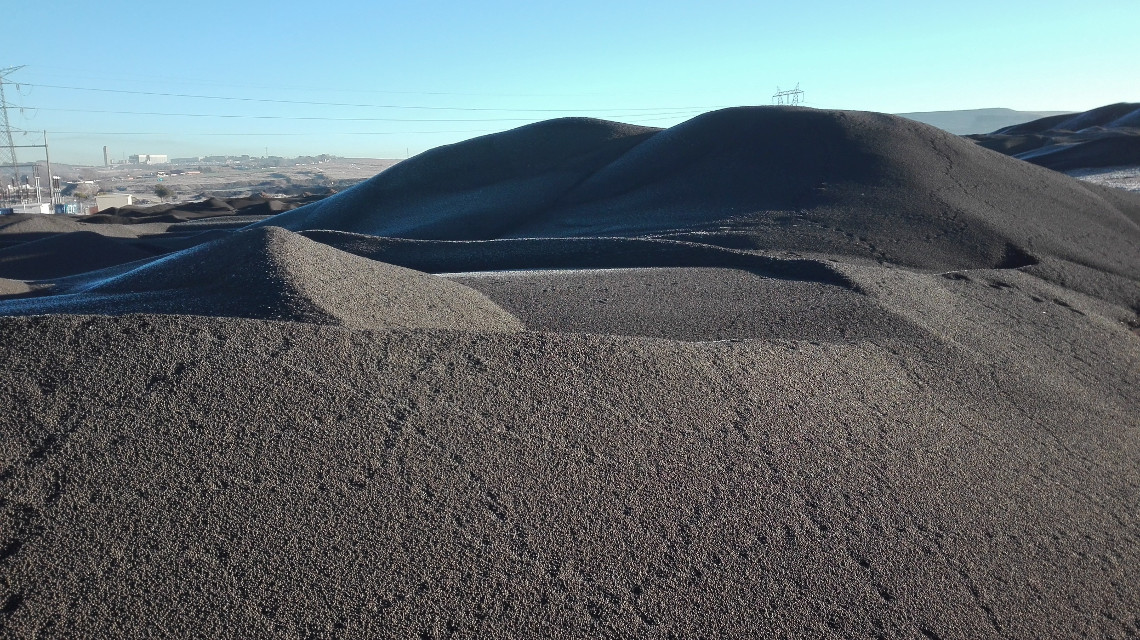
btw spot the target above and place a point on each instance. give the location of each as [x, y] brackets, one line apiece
[790, 97]
[7, 145]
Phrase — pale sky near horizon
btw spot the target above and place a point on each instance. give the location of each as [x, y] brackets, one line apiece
[386, 79]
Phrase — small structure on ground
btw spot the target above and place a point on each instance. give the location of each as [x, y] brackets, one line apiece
[107, 200]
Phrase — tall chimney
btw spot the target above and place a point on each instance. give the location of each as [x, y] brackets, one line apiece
[106, 157]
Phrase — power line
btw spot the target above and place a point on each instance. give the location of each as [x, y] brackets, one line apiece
[633, 115]
[332, 119]
[95, 75]
[321, 133]
[291, 133]
[347, 104]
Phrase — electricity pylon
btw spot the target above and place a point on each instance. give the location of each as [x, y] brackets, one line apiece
[7, 146]
[790, 97]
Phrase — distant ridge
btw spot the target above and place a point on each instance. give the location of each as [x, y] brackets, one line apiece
[970, 121]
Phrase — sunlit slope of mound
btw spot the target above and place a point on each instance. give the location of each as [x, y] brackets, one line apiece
[271, 273]
[852, 184]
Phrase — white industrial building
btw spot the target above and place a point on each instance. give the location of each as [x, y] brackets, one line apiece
[107, 200]
[31, 207]
[149, 158]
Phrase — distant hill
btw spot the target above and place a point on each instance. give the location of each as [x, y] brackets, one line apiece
[1107, 136]
[970, 121]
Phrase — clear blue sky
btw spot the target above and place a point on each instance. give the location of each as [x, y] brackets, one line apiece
[425, 73]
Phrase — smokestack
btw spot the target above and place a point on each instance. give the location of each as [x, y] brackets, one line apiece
[106, 157]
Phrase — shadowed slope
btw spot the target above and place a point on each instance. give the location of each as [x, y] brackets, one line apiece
[1108, 151]
[778, 179]
[20, 228]
[68, 253]
[271, 273]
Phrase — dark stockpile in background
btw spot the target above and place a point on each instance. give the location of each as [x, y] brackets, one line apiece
[1108, 136]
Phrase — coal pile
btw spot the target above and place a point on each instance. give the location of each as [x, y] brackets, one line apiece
[770, 372]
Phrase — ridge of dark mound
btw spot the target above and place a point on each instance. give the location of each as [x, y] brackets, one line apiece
[444, 256]
[271, 273]
[210, 207]
[21, 228]
[1108, 136]
[1121, 114]
[843, 184]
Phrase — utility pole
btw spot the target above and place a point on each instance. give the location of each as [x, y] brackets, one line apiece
[7, 146]
[51, 178]
[35, 167]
